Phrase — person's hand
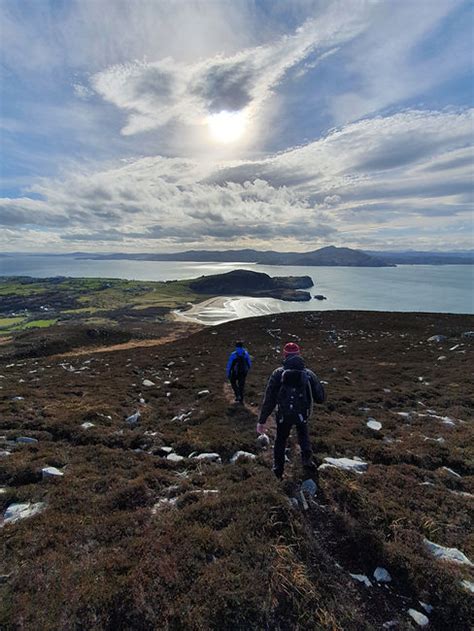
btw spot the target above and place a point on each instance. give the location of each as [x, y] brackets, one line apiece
[260, 428]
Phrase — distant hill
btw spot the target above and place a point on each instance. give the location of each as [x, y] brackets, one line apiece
[328, 256]
[412, 257]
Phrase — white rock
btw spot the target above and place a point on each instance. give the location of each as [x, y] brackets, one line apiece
[447, 554]
[426, 607]
[87, 425]
[469, 585]
[133, 419]
[404, 414]
[166, 450]
[263, 440]
[16, 512]
[208, 457]
[420, 618]
[381, 575]
[242, 455]
[451, 471]
[387, 390]
[147, 383]
[437, 338]
[347, 464]
[309, 487]
[26, 440]
[468, 334]
[373, 424]
[441, 358]
[4, 453]
[362, 578]
[164, 502]
[203, 393]
[453, 348]
[174, 457]
[51, 472]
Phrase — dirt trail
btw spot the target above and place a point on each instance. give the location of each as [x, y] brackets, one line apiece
[166, 339]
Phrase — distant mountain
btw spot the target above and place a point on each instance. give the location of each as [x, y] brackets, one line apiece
[412, 257]
[329, 256]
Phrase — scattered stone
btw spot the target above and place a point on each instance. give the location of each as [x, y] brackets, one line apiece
[203, 393]
[209, 457]
[373, 424]
[174, 457]
[27, 440]
[87, 425]
[347, 464]
[468, 334]
[141, 401]
[381, 575]
[426, 607]
[263, 440]
[420, 618]
[441, 358]
[164, 502]
[437, 338]
[164, 451]
[309, 487]
[4, 453]
[242, 455]
[447, 554]
[147, 383]
[453, 348]
[51, 472]
[451, 472]
[362, 578]
[15, 512]
[133, 419]
[469, 585]
[387, 390]
[406, 415]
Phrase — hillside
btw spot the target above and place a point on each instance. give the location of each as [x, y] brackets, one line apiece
[138, 534]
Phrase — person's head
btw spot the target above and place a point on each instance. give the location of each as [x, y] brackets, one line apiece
[239, 344]
[291, 349]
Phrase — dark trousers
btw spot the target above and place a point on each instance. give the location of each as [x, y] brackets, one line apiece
[238, 384]
[283, 431]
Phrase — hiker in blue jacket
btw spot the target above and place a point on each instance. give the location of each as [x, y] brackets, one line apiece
[238, 365]
[292, 389]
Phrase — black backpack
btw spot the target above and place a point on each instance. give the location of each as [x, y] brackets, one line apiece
[239, 366]
[294, 397]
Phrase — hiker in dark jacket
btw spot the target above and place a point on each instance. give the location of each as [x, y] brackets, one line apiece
[292, 389]
[238, 365]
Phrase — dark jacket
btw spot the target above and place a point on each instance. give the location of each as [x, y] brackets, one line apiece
[239, 352]
[293, 362]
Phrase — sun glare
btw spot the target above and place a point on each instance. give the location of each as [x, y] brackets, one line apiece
[227, 126]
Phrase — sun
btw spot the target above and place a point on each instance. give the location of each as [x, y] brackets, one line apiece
[227, 126]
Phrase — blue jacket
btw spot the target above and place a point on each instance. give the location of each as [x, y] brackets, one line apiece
[233, 356]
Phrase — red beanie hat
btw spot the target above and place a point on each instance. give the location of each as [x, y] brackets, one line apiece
[291, 349]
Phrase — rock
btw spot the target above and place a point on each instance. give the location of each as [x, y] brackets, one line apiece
[381, 575]
[16, 512]
[387, 390]
[133, 419]
[51, 472]
[437, 338]
[174, 457]
[320, 297]
[447, 554]
[426, 607]
[346, 463]
[453, 348]
[164, 502]
[208, 457]
[406, 415]
[164, 451]
[468, 334]
[420, 618]
[362, 578]
[441, 358]
[469, 585]
[373, 424]
[147, 383]
[4, 453]
[87, 425]
[27, 440]
[263, 441]
[304, 503]
[203, 393]
[309, 487]
[242, 455]
[451, 472]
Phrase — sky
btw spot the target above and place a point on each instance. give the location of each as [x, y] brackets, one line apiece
[138, 125]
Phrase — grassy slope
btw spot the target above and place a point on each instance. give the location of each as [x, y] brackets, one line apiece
[98, 558]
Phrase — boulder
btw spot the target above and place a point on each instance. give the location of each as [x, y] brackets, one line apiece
[447, 554]
[49, 473]
[164, 451]
[420, 618]
[437, 338]
[242, 455]
[347, 464]
[174, 457]
[208, 457]
[16, 512]
[320, 297]
[309, 487]
[381, 575]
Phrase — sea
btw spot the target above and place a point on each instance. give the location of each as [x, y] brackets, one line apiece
[405, 288]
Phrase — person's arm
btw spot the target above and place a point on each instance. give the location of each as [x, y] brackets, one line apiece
[229, 364]
[317, 390]
[270, 397]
